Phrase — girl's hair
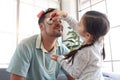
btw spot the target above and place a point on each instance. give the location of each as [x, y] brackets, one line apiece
[42, 17]
[97, 25]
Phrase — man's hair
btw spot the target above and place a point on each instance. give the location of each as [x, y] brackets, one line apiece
[42, 17]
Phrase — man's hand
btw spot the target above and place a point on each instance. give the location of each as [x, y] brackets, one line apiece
[16, 77]
[70, 78]
[54, 57]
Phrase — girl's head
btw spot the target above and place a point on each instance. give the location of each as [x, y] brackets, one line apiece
[93, 25]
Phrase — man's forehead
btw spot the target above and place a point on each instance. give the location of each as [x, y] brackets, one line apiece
[49, 14]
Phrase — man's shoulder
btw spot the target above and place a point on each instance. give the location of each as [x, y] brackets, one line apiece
[29, 40]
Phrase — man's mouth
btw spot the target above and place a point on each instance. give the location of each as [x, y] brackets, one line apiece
[58, 27]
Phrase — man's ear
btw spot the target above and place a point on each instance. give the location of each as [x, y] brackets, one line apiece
[41, 26]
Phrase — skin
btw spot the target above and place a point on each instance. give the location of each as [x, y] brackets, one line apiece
[49, 34]
[82, 32]
[16, 77]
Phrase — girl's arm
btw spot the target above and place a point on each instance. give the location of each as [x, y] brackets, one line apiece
[71, 21]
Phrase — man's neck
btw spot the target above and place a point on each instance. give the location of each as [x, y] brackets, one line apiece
[48, 43]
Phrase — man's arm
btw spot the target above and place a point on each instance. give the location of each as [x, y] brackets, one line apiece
[16, 77]
[69, 77]
[54, 57]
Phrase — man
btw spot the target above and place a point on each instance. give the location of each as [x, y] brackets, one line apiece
[31, 60]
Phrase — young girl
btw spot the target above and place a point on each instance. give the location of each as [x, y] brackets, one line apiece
[85, 62]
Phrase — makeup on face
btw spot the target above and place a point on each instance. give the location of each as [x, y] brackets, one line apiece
[52, 19]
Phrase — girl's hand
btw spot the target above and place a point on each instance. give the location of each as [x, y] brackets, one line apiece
[54, 57]
[60, 13]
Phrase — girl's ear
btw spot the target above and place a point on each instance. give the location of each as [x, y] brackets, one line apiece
[89, 36]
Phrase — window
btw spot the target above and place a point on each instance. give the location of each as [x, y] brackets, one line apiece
[84, 4]
[18, 20]
[7, 30]
[113, 12]
[110, 8]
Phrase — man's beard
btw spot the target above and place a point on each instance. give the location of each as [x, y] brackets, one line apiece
[55, 34]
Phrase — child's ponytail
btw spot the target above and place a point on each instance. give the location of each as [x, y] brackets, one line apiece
[71, 55]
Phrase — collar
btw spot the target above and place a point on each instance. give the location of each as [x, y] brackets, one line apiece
[39, 42]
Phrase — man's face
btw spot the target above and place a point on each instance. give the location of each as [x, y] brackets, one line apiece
[54, 29]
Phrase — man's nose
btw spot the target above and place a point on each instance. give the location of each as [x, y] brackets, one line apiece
[58, 20]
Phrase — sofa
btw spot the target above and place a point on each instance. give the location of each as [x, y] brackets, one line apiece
[4, 75]
[107, 76]
[111, 76]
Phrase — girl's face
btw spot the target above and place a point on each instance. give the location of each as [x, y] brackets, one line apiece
[81, 28]
[84, 35]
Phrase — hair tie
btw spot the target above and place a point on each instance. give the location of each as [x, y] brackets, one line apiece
[40, 14]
